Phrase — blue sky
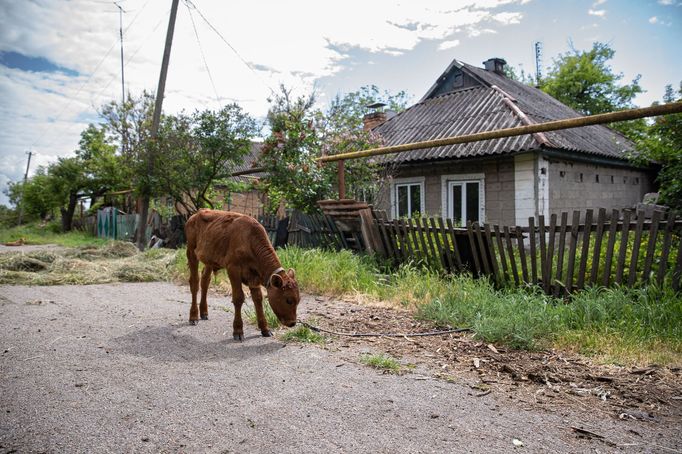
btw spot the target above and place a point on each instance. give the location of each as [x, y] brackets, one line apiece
[60, 60]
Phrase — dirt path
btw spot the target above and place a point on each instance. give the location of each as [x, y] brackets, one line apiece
[116, 368]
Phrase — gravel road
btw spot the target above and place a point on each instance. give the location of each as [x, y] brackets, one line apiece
[117, 368]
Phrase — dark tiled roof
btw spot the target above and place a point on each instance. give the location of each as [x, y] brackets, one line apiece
[483, 108]
[250, 161]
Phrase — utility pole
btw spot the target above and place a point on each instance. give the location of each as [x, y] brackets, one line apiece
[23, 188]
[156, 120]
[120, 29]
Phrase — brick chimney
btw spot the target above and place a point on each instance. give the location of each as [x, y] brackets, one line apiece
[495, 65]
[374, 119]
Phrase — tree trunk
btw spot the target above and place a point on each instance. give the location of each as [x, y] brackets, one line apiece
[67, 214]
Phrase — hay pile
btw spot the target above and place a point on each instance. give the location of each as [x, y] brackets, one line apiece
[115, 262]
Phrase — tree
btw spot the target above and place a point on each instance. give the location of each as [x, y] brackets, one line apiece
[36, 195]
[585, 81]
[198, 150]
[128, 125]
[663, 144]
[289, 152]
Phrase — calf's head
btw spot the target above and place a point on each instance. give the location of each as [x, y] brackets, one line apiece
[284, 297]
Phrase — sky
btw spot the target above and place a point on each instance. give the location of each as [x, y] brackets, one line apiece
[60, 60]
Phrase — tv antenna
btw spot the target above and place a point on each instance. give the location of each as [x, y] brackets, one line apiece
[538, 61]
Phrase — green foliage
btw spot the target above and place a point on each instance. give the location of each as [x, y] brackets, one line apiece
[585, 81]
[380, 361]
[300, 134]
[289, 153]
[270, 317]
[197, 151]
[663, 144]
[303, 334]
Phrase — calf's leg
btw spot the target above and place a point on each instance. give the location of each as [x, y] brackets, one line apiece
[205, 282]
[257, 296]
[193, 264]
[237, 300]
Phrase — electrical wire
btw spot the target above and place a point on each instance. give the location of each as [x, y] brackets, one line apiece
[92, 73]
[201, 50]
[189, 3]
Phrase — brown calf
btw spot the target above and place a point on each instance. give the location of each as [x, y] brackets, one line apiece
[238, 243]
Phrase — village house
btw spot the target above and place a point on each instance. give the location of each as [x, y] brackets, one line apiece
[502, 181]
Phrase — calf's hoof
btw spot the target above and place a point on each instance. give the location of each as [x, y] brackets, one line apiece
[204, 317]
[238, 337]
[193, 322]
[266, 333]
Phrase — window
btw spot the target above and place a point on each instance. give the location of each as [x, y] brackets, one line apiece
[408, 198]
[463, 199]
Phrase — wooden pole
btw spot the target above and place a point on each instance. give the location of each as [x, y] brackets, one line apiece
[23, 188]
[578, 122]
[156, 120]
[342, 179]
[611, 117]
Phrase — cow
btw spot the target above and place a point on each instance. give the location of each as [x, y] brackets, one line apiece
[238, 243]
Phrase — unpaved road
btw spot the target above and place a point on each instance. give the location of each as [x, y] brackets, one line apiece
[117, 368]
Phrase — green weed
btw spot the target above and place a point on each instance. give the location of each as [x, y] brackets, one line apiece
[302, 333]
[380, 361]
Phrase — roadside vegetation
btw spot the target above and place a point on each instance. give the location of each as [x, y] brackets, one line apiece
[615, 325]
[381, 361]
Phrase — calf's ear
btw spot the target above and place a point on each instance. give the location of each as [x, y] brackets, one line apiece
[291, 273]
[276, 280]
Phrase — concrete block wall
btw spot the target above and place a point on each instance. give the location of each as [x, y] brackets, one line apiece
[578, 186]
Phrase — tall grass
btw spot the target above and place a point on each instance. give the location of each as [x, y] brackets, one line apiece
[617, 324]
[49, 234]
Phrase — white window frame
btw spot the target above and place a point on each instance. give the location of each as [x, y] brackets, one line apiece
[447, 181]
[407, 182]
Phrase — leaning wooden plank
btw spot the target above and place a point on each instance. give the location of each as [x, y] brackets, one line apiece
[438, 245]
[620, 264]
[481, 249]
[474, 250]
[411, 253]
[500, 248]
[430, 233]
[677, 273]
[543, 248]
[549, 263]
[493, 256]
[665, 250]
[613, 226]
[533, 256]
[632, 275]
[512, 259]
[418, 240]
[572, 248]
[522, 254]
[447, 249]
[596, 254]
[560, 258]
[455, 247]
[585, 249]
[651, 246]
[387, 241]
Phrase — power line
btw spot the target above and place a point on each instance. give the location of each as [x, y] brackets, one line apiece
[248, 65]
[94, 71]
[201, 50]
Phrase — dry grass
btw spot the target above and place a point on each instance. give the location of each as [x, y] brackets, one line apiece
[115, 261]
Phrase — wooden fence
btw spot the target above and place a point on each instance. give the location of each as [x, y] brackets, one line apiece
[560, 256]
[303, 230]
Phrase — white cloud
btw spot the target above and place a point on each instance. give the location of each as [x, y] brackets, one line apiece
[294, 44]
[597, 12]
[448, 44]
[666, 2]
[653, 20]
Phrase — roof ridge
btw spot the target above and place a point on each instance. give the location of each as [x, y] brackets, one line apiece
[510, 102]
